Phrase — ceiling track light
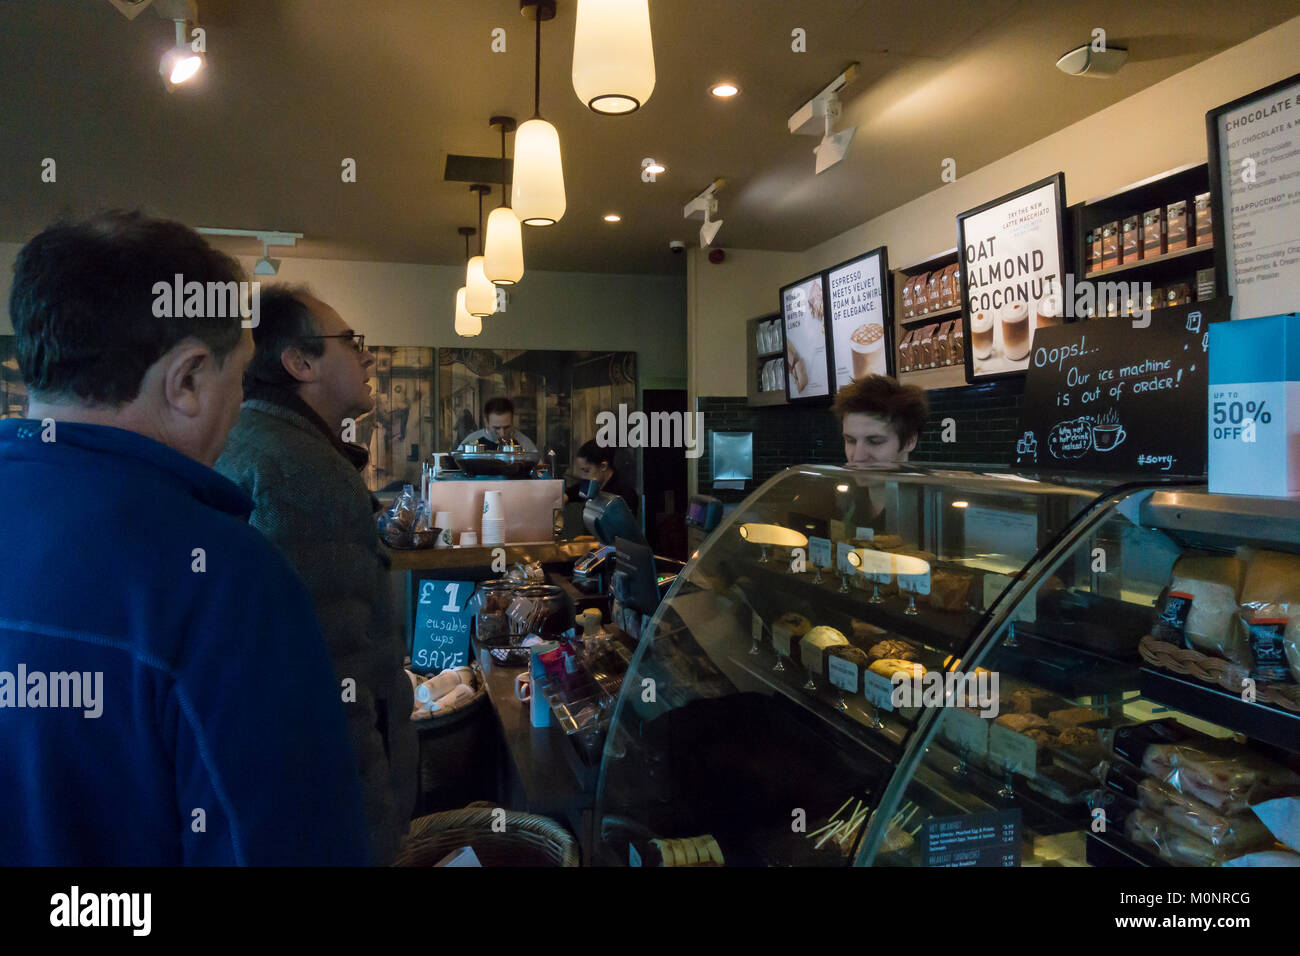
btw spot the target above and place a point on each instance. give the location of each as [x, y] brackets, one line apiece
[539, 198]
[818, 117]
[503, 250]
[266, 266]
[182, 62]
[465, 324]
[613, 55]
[706, 203]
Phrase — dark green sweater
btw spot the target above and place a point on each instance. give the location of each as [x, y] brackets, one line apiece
[310, 500]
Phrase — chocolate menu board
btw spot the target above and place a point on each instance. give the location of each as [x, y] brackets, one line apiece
[1255, 175]
[991, 838]
[1111, 396]
[803, 312]
[859, 319]
[1012, 258]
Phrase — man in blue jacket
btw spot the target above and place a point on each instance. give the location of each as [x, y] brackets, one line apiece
[165, 693]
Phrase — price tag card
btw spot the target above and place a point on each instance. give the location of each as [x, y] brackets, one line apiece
[783, 640]
[991, 838]
[842, 551]
[819, 552]
[866, 534]
[1008, 749]
[967, 732]
[756, 627]
[995, 584]
[878, 689]
[915, 583]
[442, 625]
[843, 674]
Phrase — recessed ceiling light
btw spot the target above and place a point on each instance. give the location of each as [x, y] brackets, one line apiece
[725, 90]
[613, 217]
[655, 168]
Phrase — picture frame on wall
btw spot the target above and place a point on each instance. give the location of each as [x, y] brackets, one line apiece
[1012, 255]
[860, 318]
[1254, 165]
[808, 372]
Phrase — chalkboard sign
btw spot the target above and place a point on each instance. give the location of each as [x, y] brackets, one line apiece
[1107, 395]
[442, 625]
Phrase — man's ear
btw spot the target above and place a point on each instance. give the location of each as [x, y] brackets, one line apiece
[911, 444]
[300, 366]
[182, 370]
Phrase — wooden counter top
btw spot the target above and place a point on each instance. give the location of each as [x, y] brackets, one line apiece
[435, 559]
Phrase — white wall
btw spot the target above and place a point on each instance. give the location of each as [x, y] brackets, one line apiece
[1158, 129]
[400, 304]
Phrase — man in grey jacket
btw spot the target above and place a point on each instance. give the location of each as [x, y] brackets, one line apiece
[307, 381]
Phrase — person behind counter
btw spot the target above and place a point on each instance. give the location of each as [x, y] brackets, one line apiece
[500, 416]
[595, 462]
[881, 420]
[307, 377]
[192, 714]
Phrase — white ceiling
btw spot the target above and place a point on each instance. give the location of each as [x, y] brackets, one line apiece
[295, 86]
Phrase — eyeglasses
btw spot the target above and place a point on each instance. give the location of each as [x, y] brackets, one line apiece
[356, 339]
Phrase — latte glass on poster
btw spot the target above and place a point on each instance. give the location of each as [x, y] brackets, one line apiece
[803, 312]
[859, 318]
[1012, 273]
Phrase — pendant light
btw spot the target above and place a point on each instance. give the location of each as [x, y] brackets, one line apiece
[613, 55]
[503, 250]
[480, 294]
[539, 171]
[466, 325]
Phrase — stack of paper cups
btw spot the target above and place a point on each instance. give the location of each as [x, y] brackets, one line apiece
[442, 521]
[494, 519]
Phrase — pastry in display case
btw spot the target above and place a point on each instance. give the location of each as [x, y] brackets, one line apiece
[956, 669]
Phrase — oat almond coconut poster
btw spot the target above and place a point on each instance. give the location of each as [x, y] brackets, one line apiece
[1011, 276]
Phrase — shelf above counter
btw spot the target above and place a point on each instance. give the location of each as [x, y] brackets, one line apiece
[1149, 261]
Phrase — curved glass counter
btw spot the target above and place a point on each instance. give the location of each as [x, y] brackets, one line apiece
[759, 706]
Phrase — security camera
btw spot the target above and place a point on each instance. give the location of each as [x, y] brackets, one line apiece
[677, 246]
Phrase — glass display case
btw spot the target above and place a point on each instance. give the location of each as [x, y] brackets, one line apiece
[907, 666]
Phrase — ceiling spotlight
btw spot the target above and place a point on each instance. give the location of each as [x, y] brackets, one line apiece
[725, 90]
[613, 55]
[1098, 64]
[819, 116]
[707, 204]
[613, 217]
[179, 64]
[266, 266]
[654, 168]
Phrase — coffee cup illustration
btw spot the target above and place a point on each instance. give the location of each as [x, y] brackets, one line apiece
[1107, 432]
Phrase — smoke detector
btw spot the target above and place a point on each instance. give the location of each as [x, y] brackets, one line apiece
[1087, 61]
